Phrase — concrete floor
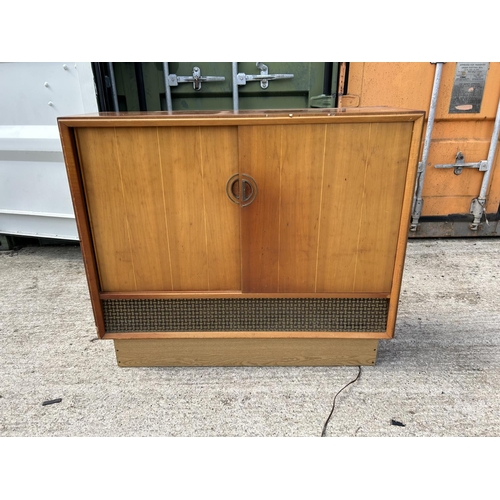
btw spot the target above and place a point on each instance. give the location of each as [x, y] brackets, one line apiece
[440, 375]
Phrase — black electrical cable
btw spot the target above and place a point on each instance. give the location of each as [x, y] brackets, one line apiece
[323, 433]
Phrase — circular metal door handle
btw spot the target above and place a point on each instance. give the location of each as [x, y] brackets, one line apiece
[241, 195]
[232, 189]
[248, 190]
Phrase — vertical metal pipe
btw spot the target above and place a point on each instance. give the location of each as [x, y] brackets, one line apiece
[235, 88]
[114, 93]
[430, 126]
[168, 95]
[141, 90]
[491, 154]
[422, 166]
[478, 205]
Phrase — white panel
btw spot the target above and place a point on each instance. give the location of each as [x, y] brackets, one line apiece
[24, 98]
[29, 138]
[41, 227]
[34, 186]
[34, 193]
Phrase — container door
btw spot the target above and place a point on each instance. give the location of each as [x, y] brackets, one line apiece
[312, 85]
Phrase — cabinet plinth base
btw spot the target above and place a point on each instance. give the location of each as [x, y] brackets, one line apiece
[246, 352]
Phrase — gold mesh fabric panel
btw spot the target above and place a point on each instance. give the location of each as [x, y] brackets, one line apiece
[238, 315]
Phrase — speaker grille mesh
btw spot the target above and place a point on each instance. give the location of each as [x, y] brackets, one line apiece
[237, 315]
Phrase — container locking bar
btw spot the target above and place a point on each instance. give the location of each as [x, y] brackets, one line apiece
[196, 79]
[264, 76]
[460, 164]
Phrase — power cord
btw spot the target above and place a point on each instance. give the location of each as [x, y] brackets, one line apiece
[323, 433]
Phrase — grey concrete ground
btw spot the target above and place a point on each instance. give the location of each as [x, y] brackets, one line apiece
[440, 376]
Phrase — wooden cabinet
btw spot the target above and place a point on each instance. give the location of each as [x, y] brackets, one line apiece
[270, 237]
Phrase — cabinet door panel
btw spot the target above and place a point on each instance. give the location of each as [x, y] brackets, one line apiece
[106, 207]
[203, 222]
[158, 209]
[260, 157]
[365, 174]
[302, 167]
[381, 206]
[280, 228]
[327, 212]
[344, 183]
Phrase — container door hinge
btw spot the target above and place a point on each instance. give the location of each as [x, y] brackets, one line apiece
[460, 164]
[174, 80]
[264, 76]
[415, 215]
[418, 203]
[477, 209]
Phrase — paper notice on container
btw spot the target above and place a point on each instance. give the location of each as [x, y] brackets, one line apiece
[468, 87]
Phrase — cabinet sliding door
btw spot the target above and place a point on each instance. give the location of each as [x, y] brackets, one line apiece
[328, 207]
[159, 213]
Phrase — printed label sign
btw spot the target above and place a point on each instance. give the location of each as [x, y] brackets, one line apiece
[468, 87]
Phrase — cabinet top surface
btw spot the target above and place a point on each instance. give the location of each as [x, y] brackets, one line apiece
[311, 115]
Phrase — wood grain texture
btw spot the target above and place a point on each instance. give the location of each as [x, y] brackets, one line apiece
[326, 216]
[381, 206]
[302, 166]
[365, 172]
[203, 222]
[159, 212]
[245, 352]
[240, 295]
[280, 228]
[182, 182]
[122, 175]
[143, 199]
[106, 208]
[219, 155]
[73, 169]
[343, 184]
[260, 156]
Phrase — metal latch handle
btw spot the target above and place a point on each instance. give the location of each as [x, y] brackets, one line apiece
[174, 80]
[264, 77]
[460, 164]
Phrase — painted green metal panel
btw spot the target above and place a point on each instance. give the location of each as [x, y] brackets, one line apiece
[280, 94]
